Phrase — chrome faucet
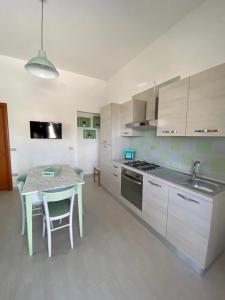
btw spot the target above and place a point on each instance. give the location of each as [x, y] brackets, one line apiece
[195, 169]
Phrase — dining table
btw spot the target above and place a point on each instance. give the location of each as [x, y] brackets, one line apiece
[36, 182]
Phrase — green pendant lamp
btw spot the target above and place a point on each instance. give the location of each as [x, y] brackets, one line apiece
[40, 66]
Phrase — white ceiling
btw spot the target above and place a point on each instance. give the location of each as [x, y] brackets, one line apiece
[90, 37]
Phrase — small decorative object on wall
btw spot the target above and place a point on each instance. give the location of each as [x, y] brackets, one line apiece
[96, 122]
[89, 134]
[83, 122]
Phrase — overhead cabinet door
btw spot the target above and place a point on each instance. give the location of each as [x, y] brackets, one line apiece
[172, 113]
[206, 106]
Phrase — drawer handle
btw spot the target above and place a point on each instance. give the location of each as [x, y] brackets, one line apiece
[126, 132]
[188, 199]
[169, 131]
[206, 130]
[115, 167]
[115, 175]
[155, 184]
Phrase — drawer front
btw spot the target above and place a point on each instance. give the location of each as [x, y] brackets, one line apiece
[155, 204]
[192, 211]
[116, 168]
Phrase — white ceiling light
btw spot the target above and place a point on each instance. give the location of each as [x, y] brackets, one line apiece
[40, 65]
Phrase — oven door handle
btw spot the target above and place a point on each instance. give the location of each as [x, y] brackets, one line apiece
[131, 179]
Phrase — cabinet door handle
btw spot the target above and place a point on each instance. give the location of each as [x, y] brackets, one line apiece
[115, 167]
[115, 175]
[188, 199]
[155, 184]
[125, 132]
[169, 131]
[206, 130]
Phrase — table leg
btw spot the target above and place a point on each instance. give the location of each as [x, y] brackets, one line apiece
[80, 209]
[28, 200]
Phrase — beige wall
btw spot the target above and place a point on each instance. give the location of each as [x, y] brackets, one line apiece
[192, 45]
[32, 98]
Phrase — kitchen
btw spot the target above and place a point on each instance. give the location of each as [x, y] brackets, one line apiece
[174, 185]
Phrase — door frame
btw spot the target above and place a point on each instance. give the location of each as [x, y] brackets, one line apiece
[7, 145]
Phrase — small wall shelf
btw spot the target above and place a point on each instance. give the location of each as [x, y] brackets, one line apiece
[96, 122]
[89, 134]
[83, 122]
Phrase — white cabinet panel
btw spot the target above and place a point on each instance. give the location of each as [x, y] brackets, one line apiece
[106, 126]
[188, 225]
[206, 105]
[172, 111]
[155, 203]
[131, 111]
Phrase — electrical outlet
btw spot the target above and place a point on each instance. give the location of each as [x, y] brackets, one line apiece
[12, 149]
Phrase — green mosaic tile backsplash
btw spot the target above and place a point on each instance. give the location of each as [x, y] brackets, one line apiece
[181, 152]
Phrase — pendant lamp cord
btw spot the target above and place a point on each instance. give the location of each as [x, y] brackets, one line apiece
[42, 13]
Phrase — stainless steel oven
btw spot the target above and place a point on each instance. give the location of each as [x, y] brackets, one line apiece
[131, 187]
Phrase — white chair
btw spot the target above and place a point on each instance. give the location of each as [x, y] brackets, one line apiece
[57, 206]
[37, 204]
[79, 172]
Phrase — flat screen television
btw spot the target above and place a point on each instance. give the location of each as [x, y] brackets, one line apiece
[45, 130]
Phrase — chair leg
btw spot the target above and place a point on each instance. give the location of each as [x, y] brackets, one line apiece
[23, 223]
[23, 212]
[49, 241]
[43, 227]
[71, 233]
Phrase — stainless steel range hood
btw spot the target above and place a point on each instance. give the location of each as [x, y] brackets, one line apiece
[144, 125]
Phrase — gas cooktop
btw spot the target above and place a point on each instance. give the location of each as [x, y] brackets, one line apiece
[141, 165]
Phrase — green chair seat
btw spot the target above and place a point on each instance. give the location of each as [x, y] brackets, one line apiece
[59, 208]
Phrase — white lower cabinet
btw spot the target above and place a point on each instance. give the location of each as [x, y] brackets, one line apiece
[111, 178]
[193, 223]
[188, 224]
[155, 203]
[115, 183]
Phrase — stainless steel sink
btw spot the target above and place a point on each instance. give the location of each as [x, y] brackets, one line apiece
[203, 185]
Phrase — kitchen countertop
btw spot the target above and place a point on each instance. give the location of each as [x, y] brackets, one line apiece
[175, 177]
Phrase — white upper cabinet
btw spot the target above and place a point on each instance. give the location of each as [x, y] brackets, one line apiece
[130, 112]
[172, 111]
[206, 105]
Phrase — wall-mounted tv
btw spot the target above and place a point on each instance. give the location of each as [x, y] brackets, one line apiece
[45, 130]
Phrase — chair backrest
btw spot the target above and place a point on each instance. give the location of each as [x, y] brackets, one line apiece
[20, 182]
[79, 172]
[58, 195]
